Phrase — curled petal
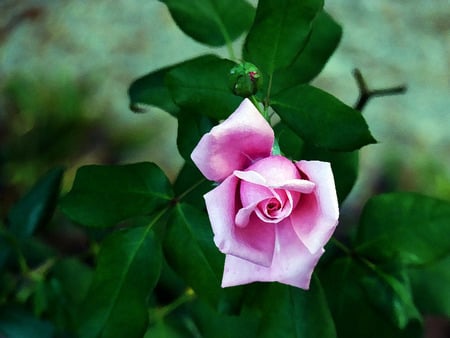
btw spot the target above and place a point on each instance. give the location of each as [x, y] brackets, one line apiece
[299, 185]
[243, 214]
[254, 242]
[243, 137]
[316, 216]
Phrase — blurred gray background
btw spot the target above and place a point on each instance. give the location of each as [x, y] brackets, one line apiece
[109, 43]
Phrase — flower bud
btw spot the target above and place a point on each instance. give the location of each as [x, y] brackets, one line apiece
[245, 79]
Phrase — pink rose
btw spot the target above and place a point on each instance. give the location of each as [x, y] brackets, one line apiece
[270, 216]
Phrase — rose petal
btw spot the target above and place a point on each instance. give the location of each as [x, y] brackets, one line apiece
[254, 242]
[299, 185]
[276, 170]
[292, 263]
[251, 193]
[243, 215]
[243, 137]
[316, 216]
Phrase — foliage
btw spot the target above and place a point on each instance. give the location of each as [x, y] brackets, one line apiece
[150, 267]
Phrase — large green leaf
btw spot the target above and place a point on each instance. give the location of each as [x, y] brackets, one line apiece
[151, 90]
[279, 32]
[353, 292]
[128, 268]
[290, 312]
[291, 145]
[105, 195]
[325, 36]
[37, 206]
[345, 166]
[213, 22]
[191, 185]
[191, 128]
[201, 85]
[322, 120]
[190, 251]
[406, 228]
[431, 287]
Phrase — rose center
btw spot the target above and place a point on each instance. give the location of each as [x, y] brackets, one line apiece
[274, 209]
[273, 206]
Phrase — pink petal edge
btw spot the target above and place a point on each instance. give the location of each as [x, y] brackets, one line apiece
[316, 217]
[254, 242]
[243, 137]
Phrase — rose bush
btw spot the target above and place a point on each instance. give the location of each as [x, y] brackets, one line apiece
[269, 215]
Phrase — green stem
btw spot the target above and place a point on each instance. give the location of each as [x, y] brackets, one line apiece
[341, 246]
[267, 99]
[256, 104]
[230, 49]
[164, 311]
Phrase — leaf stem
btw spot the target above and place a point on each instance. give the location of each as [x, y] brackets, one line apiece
[188, 190]
[269, 89]
[164, 311]
[341, 246]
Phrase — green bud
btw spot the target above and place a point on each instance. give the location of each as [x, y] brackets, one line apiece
[245, 79]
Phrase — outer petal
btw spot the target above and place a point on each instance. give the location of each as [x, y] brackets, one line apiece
[316, 216]
[243, 137]
[254, 242]
[292, 263]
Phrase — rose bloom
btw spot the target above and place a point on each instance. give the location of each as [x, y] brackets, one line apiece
[270, 216]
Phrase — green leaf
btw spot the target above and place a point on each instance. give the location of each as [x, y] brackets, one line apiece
[279, 32]
[431, 287]
[201, 85]
[151, 90]
[322, 120]
[190, 251]
[16, 322]
[162, 329]
[213, 22]
[211, 323]
[324, 39]
[192, 185]
[343, 164]
[291, 145]
[406, 228]
[191, 128]
[37, 206]
[102, 196]
[355, 312]
[391, 294]
[74, 278]
[128, 268]
[291, 312]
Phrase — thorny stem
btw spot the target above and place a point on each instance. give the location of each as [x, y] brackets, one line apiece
[365, 93]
